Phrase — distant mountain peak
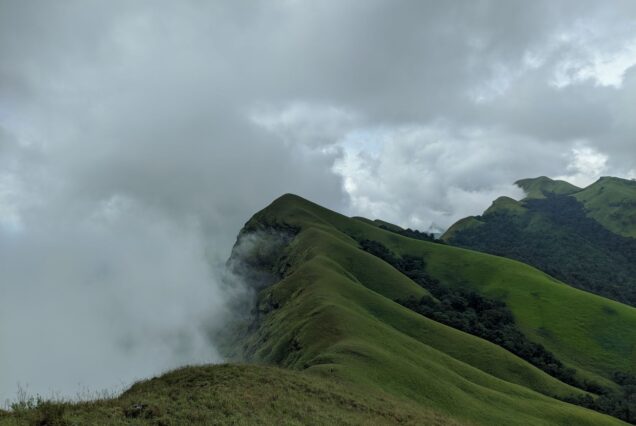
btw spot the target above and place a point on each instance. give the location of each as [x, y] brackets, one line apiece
[538, 187]
[614, 180]
[505, 203]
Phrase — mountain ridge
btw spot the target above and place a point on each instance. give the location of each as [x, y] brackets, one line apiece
[583, 238]
[328, 324]
[297, 210]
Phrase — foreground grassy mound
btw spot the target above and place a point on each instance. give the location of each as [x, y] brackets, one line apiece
[333, 313]
[233, 394]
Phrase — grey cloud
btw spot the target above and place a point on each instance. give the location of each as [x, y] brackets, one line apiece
[138, 138]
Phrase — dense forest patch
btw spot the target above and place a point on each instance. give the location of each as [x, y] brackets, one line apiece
[556, 236]
[491, 320]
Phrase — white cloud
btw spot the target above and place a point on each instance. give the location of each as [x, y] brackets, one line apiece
[304, 123]
[424, 176]
[194, 115]
[585, 165]
[9, 213]
[99, 303]
[591, 54]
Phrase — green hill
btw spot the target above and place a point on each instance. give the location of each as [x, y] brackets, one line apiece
[327, 312]
[333, 310]
[612, 202]
[539, 187]
[570, 237]
[232, 394]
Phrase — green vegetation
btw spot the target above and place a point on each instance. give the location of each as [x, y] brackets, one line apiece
[492, 320]
[555, 235]
[415, 234]
[333, 311]
[621, 405]
[612, 202]
[231, 394]
[506, 204]
[468, 311]
[460, 225]
[326, 312]
[539, 187]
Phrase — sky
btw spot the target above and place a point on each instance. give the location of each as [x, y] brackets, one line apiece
[136, 138]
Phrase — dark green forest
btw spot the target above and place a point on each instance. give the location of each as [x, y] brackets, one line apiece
[556, 236]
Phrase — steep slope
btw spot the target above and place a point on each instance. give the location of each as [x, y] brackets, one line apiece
[332, 312]
[612, 202]
[560, 235]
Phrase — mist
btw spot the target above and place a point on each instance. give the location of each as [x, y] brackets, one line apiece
[109, 299]
[137, 138]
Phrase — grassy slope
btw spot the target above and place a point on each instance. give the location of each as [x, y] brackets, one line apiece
[337, 318]
[236, 394]
[605, 330]
[587, 331]
[506, 203]
[583, 259]
[535, 187]
[367, 359]
[465, 223]
[612, 202]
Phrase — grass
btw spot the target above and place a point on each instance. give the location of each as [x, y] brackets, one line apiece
[579, 331]
[460, 225]
[237, 395]
[535, 187]
[351, 355]
[337, 315]
[612, 202]
[591, 333]
[506, 203]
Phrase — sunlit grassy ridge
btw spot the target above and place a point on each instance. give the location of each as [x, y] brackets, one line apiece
[336, 316]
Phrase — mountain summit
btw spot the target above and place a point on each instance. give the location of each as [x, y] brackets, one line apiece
[539, 187]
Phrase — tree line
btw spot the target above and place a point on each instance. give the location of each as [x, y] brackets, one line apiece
[492, 320]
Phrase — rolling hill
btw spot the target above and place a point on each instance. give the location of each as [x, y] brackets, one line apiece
[539, 187]
[330, 293]
[329, 339]
[583, 237]
[612, 202]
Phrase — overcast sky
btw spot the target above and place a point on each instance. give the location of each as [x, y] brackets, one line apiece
[137, 137]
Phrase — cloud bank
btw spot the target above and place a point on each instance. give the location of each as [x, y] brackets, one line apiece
[137, 138]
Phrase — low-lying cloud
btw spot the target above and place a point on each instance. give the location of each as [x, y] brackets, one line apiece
[117, 296]
[137, 138]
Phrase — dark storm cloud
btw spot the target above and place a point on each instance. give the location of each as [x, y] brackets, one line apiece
[137, 137]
